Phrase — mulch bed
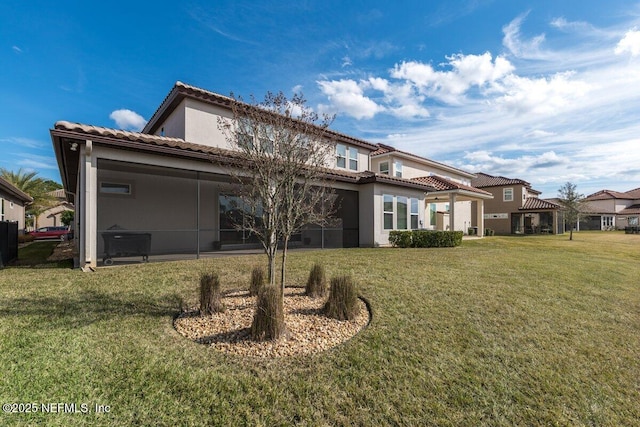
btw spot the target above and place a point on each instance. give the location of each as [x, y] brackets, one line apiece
[308, 330]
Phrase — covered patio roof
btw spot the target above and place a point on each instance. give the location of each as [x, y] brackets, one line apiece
[444, 188]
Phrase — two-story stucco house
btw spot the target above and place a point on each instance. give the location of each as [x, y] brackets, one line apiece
[608, 210]
[516, 207]
[171, 182]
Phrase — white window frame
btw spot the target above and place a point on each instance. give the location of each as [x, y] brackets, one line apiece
[397, 166]
[384, 170]
[1, 209]
[404, 217]
[413, 202]
[341, 156]
[505, 192]
[387, 212]
[353, 158]
[608, 221]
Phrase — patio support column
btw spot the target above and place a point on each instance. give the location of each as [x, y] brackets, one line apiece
[452, 211]
[480, 217]
[88, 207]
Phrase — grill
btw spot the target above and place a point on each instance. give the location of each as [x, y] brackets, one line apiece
[126, 244]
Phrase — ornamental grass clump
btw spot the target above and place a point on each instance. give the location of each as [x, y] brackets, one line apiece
[257, 281]
[342, 303]
[317, 283]
[268, 319]
[210, 295]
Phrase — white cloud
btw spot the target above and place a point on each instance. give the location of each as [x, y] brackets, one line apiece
[34, 162]
[518, 47]
[16, 49]
[346, 61]
[538, 133]
[630, 43]
[348, 97]
[25, 142]
[545, 95]
[128, 120]
[466, 71]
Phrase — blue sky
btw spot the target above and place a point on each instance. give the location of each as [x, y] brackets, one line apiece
[546, 91]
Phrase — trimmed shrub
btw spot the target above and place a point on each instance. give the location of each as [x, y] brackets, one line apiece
[210, 301]
[268, 319]
[25, 238]
[342, 303]
[400, 239]
[257, 281]
[489, 232]
[316, 284]
[425, 239]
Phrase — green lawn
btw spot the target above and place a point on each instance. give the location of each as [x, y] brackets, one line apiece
[532, 330]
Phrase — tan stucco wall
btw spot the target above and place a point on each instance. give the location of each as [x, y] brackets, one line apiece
[497, 205]
[13, 209]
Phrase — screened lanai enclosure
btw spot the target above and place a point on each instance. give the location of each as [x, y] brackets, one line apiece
[145, 210]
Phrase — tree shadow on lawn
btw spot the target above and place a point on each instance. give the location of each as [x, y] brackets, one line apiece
[85, 307]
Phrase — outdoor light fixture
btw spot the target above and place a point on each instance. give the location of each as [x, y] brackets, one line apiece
[74, 146]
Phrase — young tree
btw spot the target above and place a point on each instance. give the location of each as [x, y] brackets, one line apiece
[36, 187]
[573, 203]
[283, 182]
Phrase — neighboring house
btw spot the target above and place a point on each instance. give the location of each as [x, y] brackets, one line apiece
[609, 210]
[171, 181]
[52, 216]
[12, 203]
[516, 207]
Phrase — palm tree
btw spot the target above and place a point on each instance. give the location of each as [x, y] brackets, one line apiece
[36, 187]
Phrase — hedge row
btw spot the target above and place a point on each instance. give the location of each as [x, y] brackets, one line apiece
[425, 239]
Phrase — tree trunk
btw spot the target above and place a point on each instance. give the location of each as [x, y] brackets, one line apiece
[284, 266]
[271, 255]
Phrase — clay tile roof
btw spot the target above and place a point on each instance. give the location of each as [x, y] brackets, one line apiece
[608, 194]
[443, 184]
[485, 180]
[533, 203]
[630, 210]
[140, 137]
[635, 193]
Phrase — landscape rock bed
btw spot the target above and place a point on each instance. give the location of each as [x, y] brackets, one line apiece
[309, 331]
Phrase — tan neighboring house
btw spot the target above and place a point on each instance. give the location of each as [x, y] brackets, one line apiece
[130, 183]
[52, 216]
[610, 210]
[13, 202]
[516, 207]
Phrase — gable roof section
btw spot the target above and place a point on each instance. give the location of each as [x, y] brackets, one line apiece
[533, 203]
[181, 91]
[635, 193]
[388, 149]
[443, 184]
[14, 191]
[485, 180]
[610, 194]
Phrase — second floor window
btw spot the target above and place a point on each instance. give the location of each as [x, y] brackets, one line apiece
[398, 169]
[341, 155]
[507, 195]
[384, 168]
[353, 159]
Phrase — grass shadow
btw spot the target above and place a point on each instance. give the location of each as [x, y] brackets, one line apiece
[85, 307]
